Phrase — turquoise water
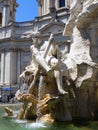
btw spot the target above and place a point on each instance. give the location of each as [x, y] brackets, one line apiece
[12, 123]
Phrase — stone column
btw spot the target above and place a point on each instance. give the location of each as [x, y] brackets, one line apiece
[48, 6]
[18, 66]
[52, 3]
[2, 67]
[66, 3]
[15, 5]
[5, 19]
[46, 9]
[40, 8]
[57, 3]
[10, 67]
[7, 68]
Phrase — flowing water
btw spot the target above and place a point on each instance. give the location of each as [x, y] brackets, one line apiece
[12, 123]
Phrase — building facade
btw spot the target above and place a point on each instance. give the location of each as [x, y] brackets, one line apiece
[15, 54]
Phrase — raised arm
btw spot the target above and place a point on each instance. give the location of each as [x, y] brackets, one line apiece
[48, 45]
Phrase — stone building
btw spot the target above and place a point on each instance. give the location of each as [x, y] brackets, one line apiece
[14, 50]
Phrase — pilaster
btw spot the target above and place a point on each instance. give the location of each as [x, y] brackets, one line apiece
[18, 65]
[40, 10]
[6, 12]
[57, 3]
[9, 11]
[7, 68]
[52, 4]
[2, 67]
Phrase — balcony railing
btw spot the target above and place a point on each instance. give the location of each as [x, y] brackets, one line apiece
[23, 24]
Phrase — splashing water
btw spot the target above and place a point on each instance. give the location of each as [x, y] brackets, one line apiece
[38, 113]
[36, 125]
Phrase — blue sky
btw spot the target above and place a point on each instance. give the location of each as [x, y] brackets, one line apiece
[27, 10]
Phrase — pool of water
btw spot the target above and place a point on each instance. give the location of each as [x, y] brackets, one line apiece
[12, 123]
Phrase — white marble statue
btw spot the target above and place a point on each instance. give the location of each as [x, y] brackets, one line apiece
[47, 58]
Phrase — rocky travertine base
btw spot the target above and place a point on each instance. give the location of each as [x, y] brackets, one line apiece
[82, 58]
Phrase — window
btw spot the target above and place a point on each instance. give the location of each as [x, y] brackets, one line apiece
[61, 3]
[0, 19]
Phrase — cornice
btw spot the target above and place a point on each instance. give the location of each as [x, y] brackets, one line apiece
[16, 39]
[13, 49]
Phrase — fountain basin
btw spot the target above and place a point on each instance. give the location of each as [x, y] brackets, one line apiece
[12, 123]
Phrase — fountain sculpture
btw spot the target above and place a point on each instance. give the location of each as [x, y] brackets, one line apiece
[46, 90]
[61, 87]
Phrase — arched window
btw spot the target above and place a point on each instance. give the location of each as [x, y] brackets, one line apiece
[61, 3]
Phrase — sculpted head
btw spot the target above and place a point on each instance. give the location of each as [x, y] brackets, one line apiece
[36, 37]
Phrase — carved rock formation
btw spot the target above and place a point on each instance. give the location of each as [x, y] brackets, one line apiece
[81, 57]
[9, 111]
[82, 15]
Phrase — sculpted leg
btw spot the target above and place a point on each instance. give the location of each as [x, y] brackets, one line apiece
[30, 90]
[41, 61]
[58, 77]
